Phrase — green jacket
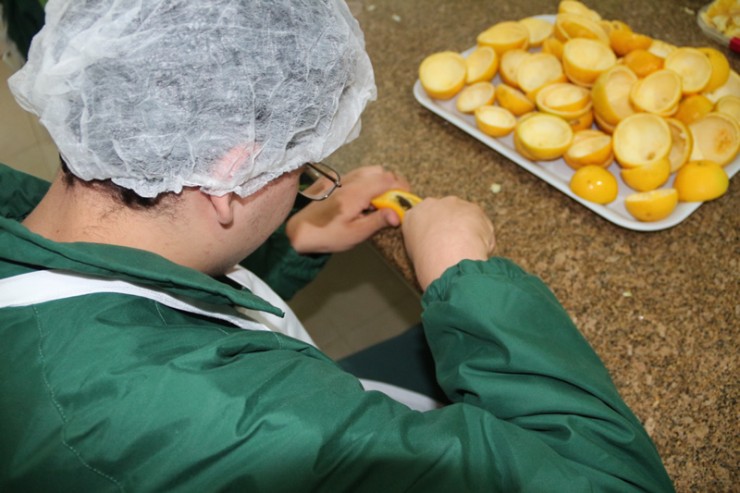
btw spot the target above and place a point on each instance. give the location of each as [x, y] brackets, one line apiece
[24, 19]
[110, 392]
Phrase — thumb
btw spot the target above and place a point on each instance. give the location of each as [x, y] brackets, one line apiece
[391, 217]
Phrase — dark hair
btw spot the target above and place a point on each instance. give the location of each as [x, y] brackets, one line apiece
[124, 196]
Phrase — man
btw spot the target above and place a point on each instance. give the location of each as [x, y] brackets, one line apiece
[130, 363]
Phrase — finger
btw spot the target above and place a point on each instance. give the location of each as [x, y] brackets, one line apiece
[372, 222]
[391, 217]
[376, 181]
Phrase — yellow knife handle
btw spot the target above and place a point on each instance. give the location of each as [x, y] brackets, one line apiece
[398, 200]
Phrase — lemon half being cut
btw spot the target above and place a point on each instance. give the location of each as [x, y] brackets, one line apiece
[398, 200]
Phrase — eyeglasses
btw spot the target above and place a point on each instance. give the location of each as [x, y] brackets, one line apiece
[318, 181]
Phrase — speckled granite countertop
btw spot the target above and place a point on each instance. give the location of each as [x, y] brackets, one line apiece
[661, 308]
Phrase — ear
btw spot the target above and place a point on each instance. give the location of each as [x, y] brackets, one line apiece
[222, 207]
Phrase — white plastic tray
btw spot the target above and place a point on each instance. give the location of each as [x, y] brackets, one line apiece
[713, 33]
[557, 173]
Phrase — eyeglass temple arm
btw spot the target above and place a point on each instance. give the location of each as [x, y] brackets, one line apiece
[337, 181]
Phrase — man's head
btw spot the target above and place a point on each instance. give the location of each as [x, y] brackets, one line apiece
[223, 95]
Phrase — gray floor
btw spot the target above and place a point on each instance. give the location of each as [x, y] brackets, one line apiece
[356, 301]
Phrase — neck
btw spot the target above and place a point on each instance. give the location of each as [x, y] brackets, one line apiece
[86, 214]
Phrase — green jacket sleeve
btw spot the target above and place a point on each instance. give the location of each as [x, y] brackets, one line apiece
[503, 343]
[206, 408]
[25, 18]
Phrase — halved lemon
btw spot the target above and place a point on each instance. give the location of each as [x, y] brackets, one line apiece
[442, 75]
[642, 62]
[720, 68]
[571, 26]
[692, 66]
[538, 70]
[542, 137]
[585, 59]
[659, 93]
[582, 122]
[716, 138]
[578, 8]
[652, 206]
[681, 143]
[398, 200]
[611, 95]
[622, 41]
[649, 176]
[505, 36]
[729, 105]
[563, 97]
[613, 25]
[594, 184]
[699, 181]
[553, 46]
[589, 148]
[693, 107]
[732, 86]
[495, 120]
[481, 64]
[510, 62]
[661, 48]
[539, 29]
[641, 139]
[475, 96]
[513, 100]
[603, 125]
[566, 96]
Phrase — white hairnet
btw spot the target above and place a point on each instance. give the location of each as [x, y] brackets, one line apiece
[221, 94]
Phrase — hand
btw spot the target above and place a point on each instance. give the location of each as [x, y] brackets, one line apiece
[439, 233]
[341, 221]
